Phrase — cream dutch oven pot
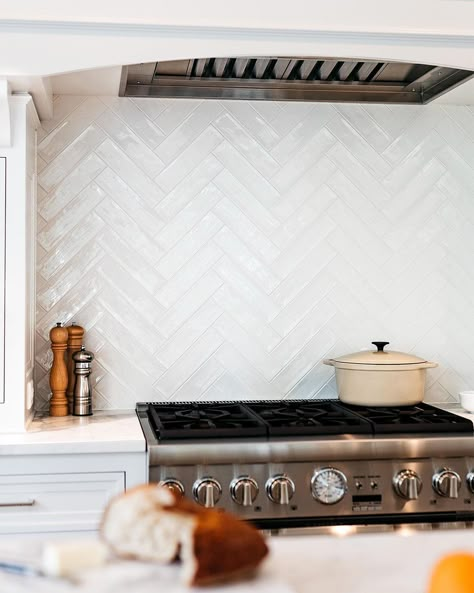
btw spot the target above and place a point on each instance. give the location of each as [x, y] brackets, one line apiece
[379, 378]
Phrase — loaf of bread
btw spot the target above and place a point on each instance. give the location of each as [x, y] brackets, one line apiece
[152, 523]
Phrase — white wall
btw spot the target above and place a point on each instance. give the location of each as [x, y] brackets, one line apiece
[64, 38]
[434, 16]
[222, 250]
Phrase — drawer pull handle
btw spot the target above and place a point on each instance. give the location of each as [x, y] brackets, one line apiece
[29, 502]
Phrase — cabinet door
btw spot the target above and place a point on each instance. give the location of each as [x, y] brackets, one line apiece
[3, 190]
[50, 503]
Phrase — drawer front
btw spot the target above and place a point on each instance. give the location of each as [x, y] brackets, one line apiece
[56, 502]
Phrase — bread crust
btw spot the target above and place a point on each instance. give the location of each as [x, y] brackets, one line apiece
[224, 548]
[213, 545]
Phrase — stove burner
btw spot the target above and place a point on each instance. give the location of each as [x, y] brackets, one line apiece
[268, 419]
[204, 420]
[308, 417]
[420, 418]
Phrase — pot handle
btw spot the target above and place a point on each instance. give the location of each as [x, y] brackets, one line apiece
[380, 345]
[429, 365]
[329, 361]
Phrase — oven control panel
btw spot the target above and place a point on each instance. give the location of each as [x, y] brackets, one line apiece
[304, 489]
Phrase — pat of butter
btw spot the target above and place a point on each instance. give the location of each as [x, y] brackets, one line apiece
[63, 559]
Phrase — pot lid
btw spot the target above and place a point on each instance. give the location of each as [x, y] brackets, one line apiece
[379, 356]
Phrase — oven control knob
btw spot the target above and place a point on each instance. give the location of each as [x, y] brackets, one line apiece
[407, 484]
[174, 485]
[244, 491]
[470, 480]
[446, 483]
[207, 492]
[280, 489]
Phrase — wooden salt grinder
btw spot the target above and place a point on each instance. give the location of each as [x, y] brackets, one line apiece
[74, 343]
[58, 377]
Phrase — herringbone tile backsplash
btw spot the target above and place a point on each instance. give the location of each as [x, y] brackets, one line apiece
[220, 250]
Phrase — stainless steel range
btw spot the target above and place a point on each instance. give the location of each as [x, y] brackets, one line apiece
[316, 463]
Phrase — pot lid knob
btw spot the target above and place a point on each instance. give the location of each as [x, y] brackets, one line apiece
[380, 345]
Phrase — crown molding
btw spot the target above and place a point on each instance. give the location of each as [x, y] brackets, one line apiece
[430, 38]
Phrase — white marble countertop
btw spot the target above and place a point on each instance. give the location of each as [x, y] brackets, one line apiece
[104, 432]
[369, 563]
[376, 563]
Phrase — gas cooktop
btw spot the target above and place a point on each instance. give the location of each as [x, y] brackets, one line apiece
[267, 419]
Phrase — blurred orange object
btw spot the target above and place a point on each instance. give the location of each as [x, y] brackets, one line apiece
[453, 574]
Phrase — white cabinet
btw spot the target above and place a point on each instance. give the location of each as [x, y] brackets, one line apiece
[63, 495]
[45, 503]
[17, 245]
[3, 190]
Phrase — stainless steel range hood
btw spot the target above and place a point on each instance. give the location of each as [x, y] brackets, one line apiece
[291, 79]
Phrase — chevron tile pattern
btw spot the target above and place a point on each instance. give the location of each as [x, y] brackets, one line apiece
[220, 250]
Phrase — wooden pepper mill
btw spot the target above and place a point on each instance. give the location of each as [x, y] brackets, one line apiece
[58, 378]
[74, 343]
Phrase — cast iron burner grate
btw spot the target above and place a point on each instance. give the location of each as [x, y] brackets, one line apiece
[266, 419]
[204, 420]
[420, 418]
[309, 417]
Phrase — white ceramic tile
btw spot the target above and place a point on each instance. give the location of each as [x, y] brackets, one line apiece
[66, 162]
[188, 333]
[297, 309]
[244, 258]
[139, 209]
[60, 255]
[127, 345]
[50, 294]
[199, 382]
[424, 122]
[253, 122]
[197, 180]
[189, 216]
[220, 250]
[68, 130]
[127, 170]
[194, 240]
[245, 288]
[190, 158]
[130, 143]
[250, 149]
[311, 354]
[303, 132]
[189, 130]
[301, 161]
[63, 106]
[128, 316]
[234, 333]
[151, 107]
[136, 119]
[246, 230]
[188, 274]
[54, 201]
[247, 174]
[175, 113]
[249, 318]
[70, 216]
[361, 121]
[124, 226]
[242, 198]
[142, 301]
[137, 267]
[189, 363]
[189, 303]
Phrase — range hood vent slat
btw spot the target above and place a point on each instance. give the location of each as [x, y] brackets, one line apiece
[291, 79]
